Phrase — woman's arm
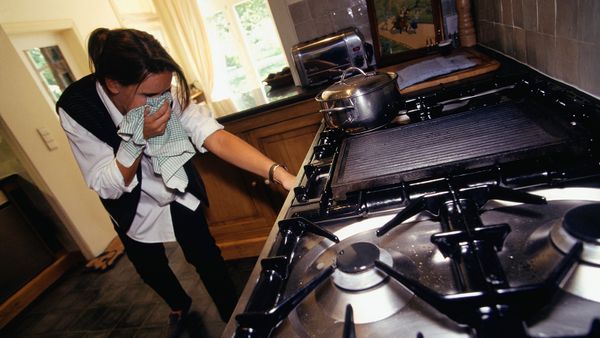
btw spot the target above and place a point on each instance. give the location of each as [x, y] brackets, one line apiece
[208, 135]
[241, 154]
[96, 160]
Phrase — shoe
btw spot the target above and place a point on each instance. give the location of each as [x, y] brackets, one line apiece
[176, 323]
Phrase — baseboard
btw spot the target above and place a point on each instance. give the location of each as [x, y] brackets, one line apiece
[28, 293]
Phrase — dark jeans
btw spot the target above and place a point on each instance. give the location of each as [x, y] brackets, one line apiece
[199, 249]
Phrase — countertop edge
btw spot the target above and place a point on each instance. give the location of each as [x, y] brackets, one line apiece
[307, 93]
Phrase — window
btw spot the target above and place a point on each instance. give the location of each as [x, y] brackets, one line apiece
[52, 68]
[245, 43]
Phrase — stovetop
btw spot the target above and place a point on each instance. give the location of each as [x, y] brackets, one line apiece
[423, 286]
[499, 243]
[517, 131]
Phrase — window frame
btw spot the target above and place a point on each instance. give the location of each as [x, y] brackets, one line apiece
[251, 70]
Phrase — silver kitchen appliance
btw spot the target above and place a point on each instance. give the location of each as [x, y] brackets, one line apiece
[323, 60]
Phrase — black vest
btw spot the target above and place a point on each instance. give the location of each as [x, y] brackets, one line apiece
[82, 103]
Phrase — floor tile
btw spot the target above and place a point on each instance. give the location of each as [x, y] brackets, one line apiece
[111, 317]
[135, 315]
[88, 319]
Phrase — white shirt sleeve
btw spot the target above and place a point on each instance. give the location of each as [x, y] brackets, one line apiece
[198, 123]
[96, 160]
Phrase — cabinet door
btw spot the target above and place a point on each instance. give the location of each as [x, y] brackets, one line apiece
[243, 208]
[240, 215]
[286, 142]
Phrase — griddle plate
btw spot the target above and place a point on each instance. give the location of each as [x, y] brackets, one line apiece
[481, 137]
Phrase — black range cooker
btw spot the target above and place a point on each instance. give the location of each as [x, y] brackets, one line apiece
[476, 213]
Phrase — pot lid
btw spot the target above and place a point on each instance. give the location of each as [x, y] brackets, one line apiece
[357, 85]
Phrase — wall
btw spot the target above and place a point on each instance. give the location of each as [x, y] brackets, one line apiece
[314, 18]
[86, 15]
[560, 38]
[302, 20]
[24, 109]
[9, 164]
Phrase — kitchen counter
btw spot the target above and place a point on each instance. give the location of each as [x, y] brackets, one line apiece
[281, 97]
[276, 98]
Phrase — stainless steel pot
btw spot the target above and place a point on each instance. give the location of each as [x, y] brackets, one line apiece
[360, 103]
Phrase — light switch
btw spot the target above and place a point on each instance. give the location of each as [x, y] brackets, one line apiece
[47, 138]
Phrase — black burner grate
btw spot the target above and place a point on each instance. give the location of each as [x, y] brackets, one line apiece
[472, 139]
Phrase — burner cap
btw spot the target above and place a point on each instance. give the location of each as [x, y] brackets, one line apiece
[583, 223]
[357, 257]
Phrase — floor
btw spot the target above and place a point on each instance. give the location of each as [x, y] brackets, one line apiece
[116, 303]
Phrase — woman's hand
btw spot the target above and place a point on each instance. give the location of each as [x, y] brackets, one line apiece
[156, 124]
[287, 180]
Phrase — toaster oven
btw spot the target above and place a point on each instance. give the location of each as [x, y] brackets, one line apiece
[323, 59]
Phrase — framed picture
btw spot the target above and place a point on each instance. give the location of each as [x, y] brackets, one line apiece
[404, 29]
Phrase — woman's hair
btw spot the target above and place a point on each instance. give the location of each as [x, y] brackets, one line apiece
[128, 56]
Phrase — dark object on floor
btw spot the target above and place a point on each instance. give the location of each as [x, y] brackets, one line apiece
[107, 259]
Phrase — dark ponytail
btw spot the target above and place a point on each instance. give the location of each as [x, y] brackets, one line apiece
[96, 45]
[129, 56]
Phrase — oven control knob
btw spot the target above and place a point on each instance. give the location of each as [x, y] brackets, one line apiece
[301, 194]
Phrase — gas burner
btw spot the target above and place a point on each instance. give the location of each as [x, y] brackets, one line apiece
[358, 282]
[581, 224]
[390, 298]
[356, 266]
[379, 303]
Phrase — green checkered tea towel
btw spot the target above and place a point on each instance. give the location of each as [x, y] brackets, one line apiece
[169, 151]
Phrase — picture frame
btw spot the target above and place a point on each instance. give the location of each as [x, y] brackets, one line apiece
[404, 29]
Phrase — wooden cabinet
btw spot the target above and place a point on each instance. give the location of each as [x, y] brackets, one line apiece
[242, 207]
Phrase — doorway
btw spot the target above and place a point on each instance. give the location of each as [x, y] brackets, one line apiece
[62, 60]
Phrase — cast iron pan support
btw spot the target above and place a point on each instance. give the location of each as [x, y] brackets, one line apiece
[261, 324]
[479, 194]
[500, 312]
[262, 313]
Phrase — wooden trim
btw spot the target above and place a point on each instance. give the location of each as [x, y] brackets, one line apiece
[27, 294]
[274, 116]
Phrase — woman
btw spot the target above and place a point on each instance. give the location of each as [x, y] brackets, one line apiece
[130, 89]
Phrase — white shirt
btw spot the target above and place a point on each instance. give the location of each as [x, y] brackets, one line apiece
[152, 221]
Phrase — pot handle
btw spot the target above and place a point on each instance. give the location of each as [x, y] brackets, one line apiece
[327, 110]
[365, 74]
[332, 109]
[327, 114]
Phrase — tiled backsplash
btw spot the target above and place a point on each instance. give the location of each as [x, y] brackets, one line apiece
[560, 38]
[315, 18]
